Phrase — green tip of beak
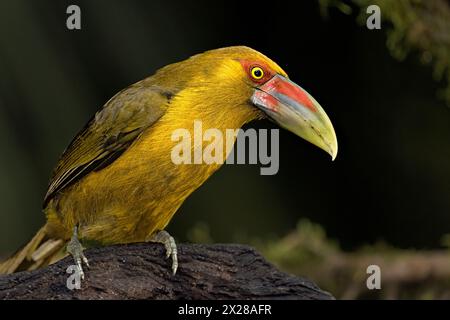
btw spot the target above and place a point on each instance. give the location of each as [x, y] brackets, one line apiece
[318, 129]
[333, 148]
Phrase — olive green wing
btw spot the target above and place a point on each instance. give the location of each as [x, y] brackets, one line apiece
[109, 133]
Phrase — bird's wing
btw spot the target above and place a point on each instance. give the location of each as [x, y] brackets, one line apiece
[109, 133]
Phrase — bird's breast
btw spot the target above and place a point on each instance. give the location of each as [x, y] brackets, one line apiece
[140, 191]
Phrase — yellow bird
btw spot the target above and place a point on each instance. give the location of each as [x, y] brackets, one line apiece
[116, 181]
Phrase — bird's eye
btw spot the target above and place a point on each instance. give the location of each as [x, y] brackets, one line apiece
[257, 73]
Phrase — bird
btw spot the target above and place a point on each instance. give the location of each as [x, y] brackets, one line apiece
[115, 183]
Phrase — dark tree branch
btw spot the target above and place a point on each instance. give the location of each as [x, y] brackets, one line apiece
[140, 271]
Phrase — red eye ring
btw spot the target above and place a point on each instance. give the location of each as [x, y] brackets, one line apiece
[258, 72]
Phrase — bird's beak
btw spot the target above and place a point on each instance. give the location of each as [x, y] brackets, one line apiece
[294, 109]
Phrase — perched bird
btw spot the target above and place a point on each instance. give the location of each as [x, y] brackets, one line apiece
[116, 182]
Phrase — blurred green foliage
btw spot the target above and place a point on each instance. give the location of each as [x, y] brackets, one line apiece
[307, 251]
[418, 27]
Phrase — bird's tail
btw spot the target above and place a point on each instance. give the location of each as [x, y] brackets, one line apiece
[41, 251]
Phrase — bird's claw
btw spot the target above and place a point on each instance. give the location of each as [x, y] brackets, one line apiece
[75, 248]
[171, 248]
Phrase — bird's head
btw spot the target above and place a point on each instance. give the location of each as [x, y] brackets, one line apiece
[242, 80]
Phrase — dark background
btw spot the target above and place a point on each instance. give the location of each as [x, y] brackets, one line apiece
[390, 181]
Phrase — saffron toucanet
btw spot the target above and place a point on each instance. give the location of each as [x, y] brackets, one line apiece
[116, 183]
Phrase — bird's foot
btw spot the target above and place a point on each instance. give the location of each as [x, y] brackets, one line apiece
[169, 243]
[75, 248]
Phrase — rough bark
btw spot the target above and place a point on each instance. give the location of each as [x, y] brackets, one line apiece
[140, 271]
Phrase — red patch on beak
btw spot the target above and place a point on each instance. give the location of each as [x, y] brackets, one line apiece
[290, 90]
[267, 100]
